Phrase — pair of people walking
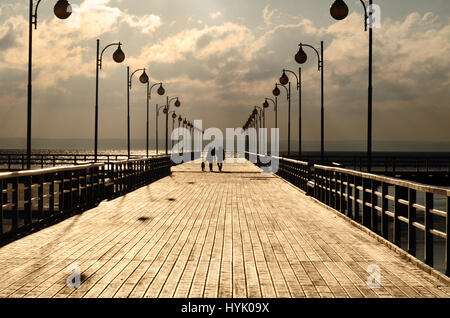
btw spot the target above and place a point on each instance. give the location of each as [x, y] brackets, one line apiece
[219, 155]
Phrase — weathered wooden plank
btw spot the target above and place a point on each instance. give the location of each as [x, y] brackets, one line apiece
[235, 234]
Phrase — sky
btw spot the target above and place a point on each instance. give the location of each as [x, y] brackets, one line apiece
[223, 57]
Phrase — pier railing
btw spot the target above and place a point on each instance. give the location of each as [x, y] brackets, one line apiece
[127, 175]
[18, 161]
[387, 164]
[413, 216]
[29, 199]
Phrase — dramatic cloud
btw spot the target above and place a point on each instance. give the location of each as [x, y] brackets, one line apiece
[229, 65]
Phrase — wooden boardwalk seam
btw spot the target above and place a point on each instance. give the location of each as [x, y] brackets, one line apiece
[237, 234]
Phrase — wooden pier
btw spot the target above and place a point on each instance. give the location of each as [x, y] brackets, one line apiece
[237, 234]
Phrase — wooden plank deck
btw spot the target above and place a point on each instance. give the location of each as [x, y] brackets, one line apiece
[194, 234]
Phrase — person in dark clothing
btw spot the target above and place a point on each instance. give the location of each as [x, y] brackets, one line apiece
[220, 158]
[210, 158]
[203, 166]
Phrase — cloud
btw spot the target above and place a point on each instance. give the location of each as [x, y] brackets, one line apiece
[202, 44]
[232, 65]
[268, 14]
[7, 37]
[61, 48]
[215, 15]
[148, 23]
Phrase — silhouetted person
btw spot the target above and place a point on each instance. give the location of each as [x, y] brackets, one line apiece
[203, 166]
[210, 158]
[220, 158]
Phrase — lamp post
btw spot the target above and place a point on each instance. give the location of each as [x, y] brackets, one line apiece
[255, 125]
[180, 119]
[261, 124]
[276, 92]
[166, 111]
[284, 79]
[261, 116]
[161, 91]
[118, 57]
[143, 79]
[339, 11]
[158, 108]
[191, 132]
[301, 58]
[288, 92]
[266, 105]
[184, 133]
[62, 10]
[174, 116]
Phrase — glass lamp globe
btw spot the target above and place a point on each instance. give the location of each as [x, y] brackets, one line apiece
[276, 91]
[339, 10]
[284, 79]
[118, 55]
[62, 9]
[301, 56]
[143, 78]
[161, 90]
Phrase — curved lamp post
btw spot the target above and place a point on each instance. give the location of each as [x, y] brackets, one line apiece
[118, 57]
[174, 116]
[158, 108]
[62, 10]
[261, 116]
[339, 11]
[261, 124]
[301, 58]
[276, 92]
[284, 79]
[180, 119]
[166, 111]
[185, 122]
[266, 105]
[143, 79]
[254, 118]
[161, 91]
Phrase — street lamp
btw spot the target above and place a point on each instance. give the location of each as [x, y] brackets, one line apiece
[301, 58]
[255, 123]
[339, 11]
[118, 57]
[261, 116]
[166, 109]
[143, 79]
[180, 119]
[158, 108]
[177, 104]
[266, 105]
[62, 10]
[174, 116]
[276, 92]
[161, 91]
[284, 79]
[262, 123]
